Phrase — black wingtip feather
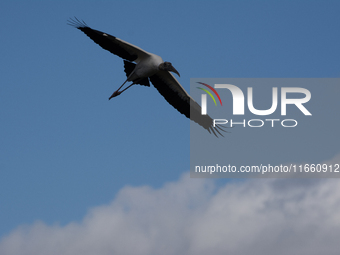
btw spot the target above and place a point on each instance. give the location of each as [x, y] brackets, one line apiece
[76, 23]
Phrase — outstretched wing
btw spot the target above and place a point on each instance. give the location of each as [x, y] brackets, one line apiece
[168, 86]
[111, 43]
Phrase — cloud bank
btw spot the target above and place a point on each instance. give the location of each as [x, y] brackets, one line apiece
[194, 216]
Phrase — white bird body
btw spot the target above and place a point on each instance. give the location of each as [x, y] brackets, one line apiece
[146, 66]
[149, 67]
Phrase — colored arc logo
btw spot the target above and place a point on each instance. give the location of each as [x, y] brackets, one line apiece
[208, 92]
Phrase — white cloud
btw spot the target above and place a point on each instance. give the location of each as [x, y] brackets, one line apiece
[192, 216]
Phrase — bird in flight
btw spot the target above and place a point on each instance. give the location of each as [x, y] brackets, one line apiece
[149, 67]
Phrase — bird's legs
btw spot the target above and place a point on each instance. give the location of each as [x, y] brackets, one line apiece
[117, 92]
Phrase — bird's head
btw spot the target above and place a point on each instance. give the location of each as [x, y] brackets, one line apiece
[167, 66]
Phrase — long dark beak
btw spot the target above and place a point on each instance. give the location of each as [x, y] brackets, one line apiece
[173, 69]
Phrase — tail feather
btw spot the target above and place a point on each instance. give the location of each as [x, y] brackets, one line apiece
[129, 67]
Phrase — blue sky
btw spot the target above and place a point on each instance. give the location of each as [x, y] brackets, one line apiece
[65, 149]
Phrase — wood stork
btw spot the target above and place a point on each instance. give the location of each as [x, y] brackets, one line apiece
[149, 66]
